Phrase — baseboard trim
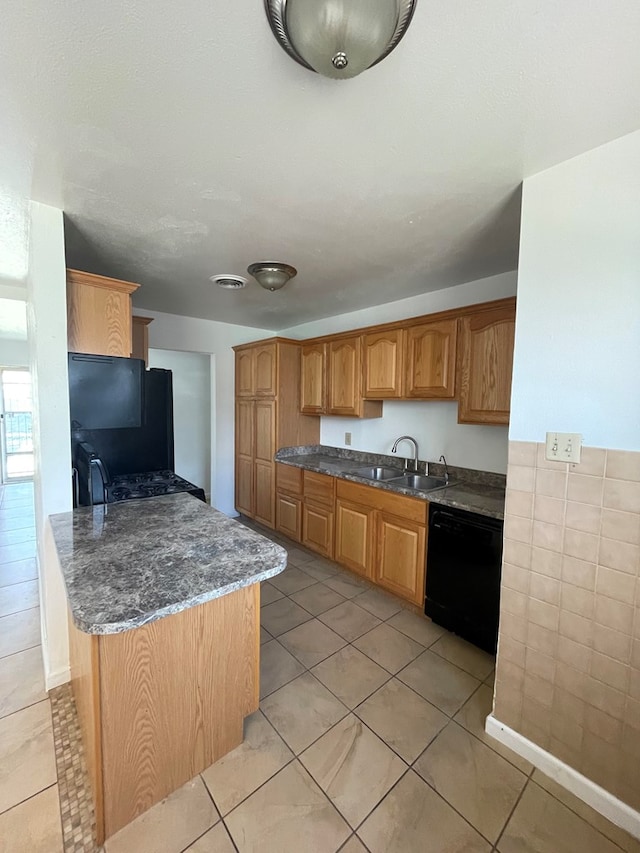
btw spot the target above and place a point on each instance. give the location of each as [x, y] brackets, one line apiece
[598, 798]
[56, 678]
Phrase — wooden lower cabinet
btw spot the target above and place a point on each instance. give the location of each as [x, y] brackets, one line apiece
[400, 566]
[354, 539]
[317, 528]
[289, 516]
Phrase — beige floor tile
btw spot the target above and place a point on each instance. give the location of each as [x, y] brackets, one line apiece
[27, 756]
[412, 818]
[277, 667]
[349, 620]
[262, 753]
[473, 715]
[22, 513]
[542, 824]
[402, 719]
[19, 631]
[216, 840]
[439, 681]
[311, 642]
[350, 675]
[19, 596]
[614, 833]
[389, 647]
[33, 826]
[320, 569]
[347, 585]
[18, 572]
[269, 594]
[419, 628]
[353, 845]
[291, 580]
[23, 551]
[21, 681]
[300, 556]
[472, 778]
[24, 533]
[317, 598]
[465, 655]
[353, 767]
[282, 615]
[169, 826]
[302, 711]
[381, 605]
[289, 814]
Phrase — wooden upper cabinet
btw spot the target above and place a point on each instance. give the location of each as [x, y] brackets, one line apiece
[431, 360]
[383, 364]
[485, 366]
[344, 376]
[266, 370]
[99, 314]
[313, 384]
[140, 337]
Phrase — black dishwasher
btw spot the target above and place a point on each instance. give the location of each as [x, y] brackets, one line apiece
[464, 561]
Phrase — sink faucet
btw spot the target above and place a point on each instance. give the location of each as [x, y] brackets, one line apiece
[446, 470]
[415, 449]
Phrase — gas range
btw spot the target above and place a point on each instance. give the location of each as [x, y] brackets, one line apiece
[151, 484]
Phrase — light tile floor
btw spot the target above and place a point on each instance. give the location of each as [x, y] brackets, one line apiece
[370, 737]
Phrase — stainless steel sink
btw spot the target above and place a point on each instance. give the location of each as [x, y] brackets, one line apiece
[376, 473]
[421, 482]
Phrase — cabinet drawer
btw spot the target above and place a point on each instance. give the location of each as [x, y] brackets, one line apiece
[413, 509]
[288, 479]
[319, 488]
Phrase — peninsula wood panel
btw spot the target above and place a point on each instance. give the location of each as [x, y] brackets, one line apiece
[401, 557]
[313, 380]
[431, 360]
[383, 358]
[174, 694]
[85, 682]
[98, 314]
[354, 537]
[485, 366]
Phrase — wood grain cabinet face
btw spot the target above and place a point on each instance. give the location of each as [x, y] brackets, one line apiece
[354, 537]
[313, 384]
[383, 358]
[265, 370]
[98, 314]
[401, 557]
[289, 516]
[485, 366]
[430, 355]
[344, 377]
[245, 373]
[317, 528]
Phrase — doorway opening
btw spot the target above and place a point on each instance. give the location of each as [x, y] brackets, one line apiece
[16, 433]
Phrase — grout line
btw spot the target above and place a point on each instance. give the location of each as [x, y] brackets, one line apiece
[30, 797]
[30, 705]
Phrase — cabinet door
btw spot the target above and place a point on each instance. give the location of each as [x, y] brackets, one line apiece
[401, 557]
[486, 362]
[354, 537]
[265, 430]
[245, 432]
[344, 377]
[312, 379]
[265, 493]
[244, 373]
[431, 360]
[98, 314]
[266, 370]
[317, 529]
[265, 468]
[383, 364]
[289, 516]
[244, 485]
[245, 463]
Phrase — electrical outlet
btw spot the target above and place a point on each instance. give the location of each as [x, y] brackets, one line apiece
[347, 439]
[563, 446]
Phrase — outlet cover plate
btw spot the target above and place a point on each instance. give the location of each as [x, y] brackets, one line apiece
[563, 446]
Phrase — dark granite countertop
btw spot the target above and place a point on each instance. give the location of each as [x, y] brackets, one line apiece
[475, 491]
[145, 559]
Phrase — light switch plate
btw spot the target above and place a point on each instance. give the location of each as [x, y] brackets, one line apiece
[563, 446]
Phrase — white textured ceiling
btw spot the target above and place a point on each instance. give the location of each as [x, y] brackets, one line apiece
[181, 141]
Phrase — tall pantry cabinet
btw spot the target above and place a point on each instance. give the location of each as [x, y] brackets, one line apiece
[267, 418]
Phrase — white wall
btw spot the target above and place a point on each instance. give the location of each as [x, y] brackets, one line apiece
[433, 424]
[577, 352]
[191, 412]
[47, 334]
[188, 334]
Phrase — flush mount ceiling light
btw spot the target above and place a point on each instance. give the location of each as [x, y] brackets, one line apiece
[229, 282]
[272, 275]
[339, 38]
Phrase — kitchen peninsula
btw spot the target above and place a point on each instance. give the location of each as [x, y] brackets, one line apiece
[164, 603]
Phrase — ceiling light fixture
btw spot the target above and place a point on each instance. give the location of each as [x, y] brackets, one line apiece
[229, 282]
[272, 275]
[339, 38]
